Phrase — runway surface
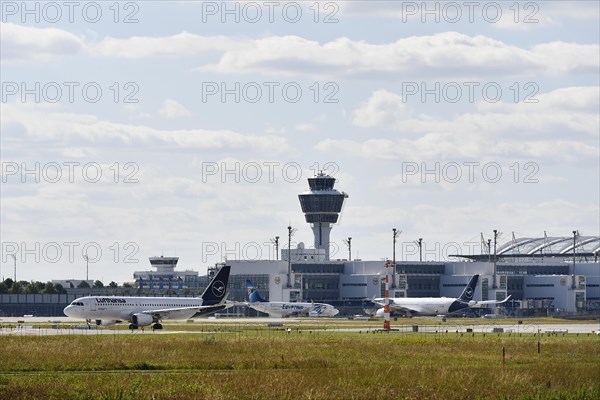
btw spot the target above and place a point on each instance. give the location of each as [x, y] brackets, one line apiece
[30, 326]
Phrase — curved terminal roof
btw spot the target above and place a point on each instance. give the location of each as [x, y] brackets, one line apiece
[551, 245]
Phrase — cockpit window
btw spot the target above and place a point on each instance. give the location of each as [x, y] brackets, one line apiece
[77, 303]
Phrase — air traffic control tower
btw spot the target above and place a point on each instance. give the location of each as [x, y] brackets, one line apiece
[321, 206]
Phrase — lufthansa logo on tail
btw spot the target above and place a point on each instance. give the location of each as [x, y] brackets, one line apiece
[218, 288]
[469, 292]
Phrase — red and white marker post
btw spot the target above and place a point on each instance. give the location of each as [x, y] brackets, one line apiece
[386, 307]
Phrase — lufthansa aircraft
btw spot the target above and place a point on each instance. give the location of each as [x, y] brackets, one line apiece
[286, 309]
[435, 305]
[144, 311]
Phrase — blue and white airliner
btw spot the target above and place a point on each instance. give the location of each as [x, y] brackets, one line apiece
[435, 305]
[144, 311]
[287, 309]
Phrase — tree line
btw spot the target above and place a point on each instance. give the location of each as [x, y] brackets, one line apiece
[8, 286]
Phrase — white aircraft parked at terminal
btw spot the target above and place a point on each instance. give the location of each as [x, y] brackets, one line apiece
[435, 305]
[143, 311]
[286, 309]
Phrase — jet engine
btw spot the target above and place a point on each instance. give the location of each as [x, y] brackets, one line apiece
[141, 319]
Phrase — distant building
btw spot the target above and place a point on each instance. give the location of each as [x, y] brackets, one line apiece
[72, 283]
[165, 276]
[549, 275]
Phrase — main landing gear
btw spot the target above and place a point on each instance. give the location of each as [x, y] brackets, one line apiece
[155, 326]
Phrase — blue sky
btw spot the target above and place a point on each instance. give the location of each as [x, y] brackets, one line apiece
[483, 120]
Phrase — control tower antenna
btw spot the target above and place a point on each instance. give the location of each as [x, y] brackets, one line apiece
[321, 206]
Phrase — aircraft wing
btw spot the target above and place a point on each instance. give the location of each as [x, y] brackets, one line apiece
[493, 301]
[413, 309]
[408, 310]
[186, 312]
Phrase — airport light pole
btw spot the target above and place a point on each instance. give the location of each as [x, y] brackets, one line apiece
[289, 277]
[395, 234]
[87, 267]
[276, 242]
[495, 256]
[349, 244]
[574, 245]
[15, 261]
[420, 249]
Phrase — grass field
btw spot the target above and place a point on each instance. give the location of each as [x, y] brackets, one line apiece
[246, 362]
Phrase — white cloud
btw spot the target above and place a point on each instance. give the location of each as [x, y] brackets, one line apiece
[271, 130]
[531, 14]
[49, 123]
[524, 20]
[181, 44]
[305, 127]
[563, 57]
[78, 152]
[24, 43]
[381, 109]
[172, 109]
[447, 54]
[555, 128]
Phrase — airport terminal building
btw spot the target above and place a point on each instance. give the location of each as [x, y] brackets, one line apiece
[543, 276]
[548, 276]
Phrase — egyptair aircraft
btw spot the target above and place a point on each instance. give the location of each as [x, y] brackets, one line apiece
[435, 305]
[144, 311]
[286, 309]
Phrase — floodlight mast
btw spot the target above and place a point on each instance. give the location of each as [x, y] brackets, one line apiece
[289, 277]
[575, 234]
[494, 286]
[348, 243]
[276, 243]
[395, 233]
[419, 242]
[87, 267]
[15, 261]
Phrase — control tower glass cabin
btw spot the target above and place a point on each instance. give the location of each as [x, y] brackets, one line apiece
[321, 206]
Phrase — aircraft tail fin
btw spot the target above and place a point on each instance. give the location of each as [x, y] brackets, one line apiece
[467, 294]
[253, 295]
[216, 290]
